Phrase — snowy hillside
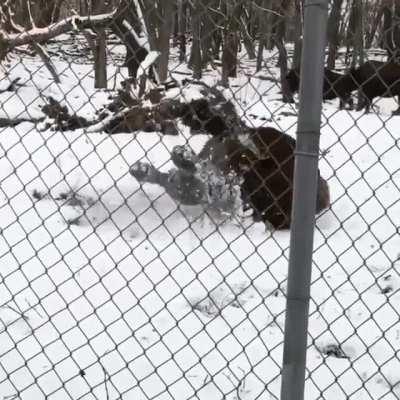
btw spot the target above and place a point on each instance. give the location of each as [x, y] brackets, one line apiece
[111, 290]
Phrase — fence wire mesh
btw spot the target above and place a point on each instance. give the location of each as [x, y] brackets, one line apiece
[146, 170]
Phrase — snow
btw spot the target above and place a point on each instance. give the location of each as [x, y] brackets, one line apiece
[109, 289]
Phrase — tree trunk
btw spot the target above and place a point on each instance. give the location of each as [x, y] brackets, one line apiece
[218, 19]
[231, 41]
[43, 12]
[279, 37]
[151, 21]
[175, 31]
[358, 43]
[387, 42]
[271, 20]
[344, 24]
[195, 61]
[83, 7]
[374, 26]
[206, 33]
[358, 53]
[247, 41]
[135, 53]
[100, 56]
[56, 11]
[164, 35]
[333, 32]
[396, 30]
[298, 32]
[264, 31]
[182, 25]
[262, 38]
[229, 56]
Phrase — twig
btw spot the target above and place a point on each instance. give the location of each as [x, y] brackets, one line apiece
[12, 40]
[38, 47]
[9, 122]
[268, 10]
[33, 308]
[106, 377]
[47, 61]
[28, 6]
[21, 314]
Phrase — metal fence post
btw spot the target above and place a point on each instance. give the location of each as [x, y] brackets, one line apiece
[304, 200]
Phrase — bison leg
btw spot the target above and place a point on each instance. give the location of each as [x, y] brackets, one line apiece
[362, 103]
[345, 99]
[369, 105]
[349, 100]
[323, 196]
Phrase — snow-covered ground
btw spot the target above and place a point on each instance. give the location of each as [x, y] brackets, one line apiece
[111, 290]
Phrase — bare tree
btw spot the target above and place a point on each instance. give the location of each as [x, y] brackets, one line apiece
[333, 32]
[396, 29]
[246, 37]
[298, 32]
[100, 54]
[265, 29]
[164, 36]
[182, 26]
[387, 39]
[231, 41]
[282, 11]
[158, 19]
[195, 61]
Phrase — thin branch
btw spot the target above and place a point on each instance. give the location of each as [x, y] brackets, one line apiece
[105, 382]
[28, 6]
[74, 23]
[47, 61]
[268, 10]
[38, 47]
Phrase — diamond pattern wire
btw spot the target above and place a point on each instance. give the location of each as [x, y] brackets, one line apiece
[112, 286]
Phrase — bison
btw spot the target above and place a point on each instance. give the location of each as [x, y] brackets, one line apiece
[333, 86]
[374, 79]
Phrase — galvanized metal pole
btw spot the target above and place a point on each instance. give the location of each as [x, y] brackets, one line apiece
[304, 200]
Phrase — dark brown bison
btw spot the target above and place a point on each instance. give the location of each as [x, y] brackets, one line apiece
[267, 172]
[375, 79]
[332, 81]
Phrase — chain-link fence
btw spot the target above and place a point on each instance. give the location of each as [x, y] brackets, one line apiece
[147, 153]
